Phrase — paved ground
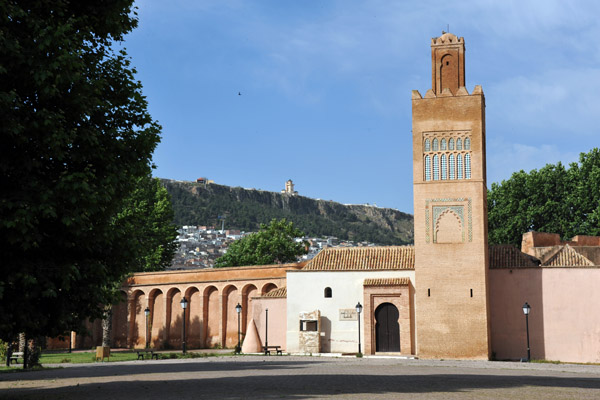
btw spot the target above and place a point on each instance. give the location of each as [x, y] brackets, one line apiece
[292, 377]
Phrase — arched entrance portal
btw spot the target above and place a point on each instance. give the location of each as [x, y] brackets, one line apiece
[387, 329]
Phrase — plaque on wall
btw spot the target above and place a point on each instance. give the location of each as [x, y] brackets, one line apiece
[348, 314]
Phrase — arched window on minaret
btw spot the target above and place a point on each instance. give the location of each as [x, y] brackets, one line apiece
[458, 144]
[427, 168]
[467, 165]
[427, 145]
[443, 144]
[467, 144]
[451, 144]
[451, 162]
[436, 167]
[435, 145]
[459, 166]
[444, 167]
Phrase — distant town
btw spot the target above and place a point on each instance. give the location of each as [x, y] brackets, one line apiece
[200, 246]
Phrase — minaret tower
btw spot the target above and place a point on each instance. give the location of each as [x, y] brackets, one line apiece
[450, 206]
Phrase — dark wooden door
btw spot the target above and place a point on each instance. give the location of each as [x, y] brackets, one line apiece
[387, 329]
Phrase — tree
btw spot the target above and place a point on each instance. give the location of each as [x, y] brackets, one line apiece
[76, 138]
[145, 224]
[273, 243]
[553, 199]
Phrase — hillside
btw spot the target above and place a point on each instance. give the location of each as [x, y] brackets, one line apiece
[246, 209]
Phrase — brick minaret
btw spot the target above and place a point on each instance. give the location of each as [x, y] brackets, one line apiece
[450, 207]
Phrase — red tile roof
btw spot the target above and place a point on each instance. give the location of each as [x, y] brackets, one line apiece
[363, 259]
[509, 256]
[567, 257]
[277, 293]
[387, 282]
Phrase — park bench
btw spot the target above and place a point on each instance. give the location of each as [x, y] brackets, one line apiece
[15, 357]
[142, 353]
[267, 350]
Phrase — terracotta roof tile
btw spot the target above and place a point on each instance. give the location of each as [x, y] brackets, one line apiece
[387, 282]
[363, 259]
[568, 257]
[277, 293]
[509, 256]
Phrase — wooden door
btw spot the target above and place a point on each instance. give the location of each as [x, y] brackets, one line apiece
[387, 329]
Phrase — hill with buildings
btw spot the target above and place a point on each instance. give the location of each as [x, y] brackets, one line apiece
[245, 209]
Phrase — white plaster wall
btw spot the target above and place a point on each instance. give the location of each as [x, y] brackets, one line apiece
[305, 293]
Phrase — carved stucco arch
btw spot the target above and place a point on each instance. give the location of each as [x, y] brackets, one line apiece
[449, 227]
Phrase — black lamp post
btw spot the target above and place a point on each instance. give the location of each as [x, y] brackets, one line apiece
[184, 304]
[266, 328]
[359, 308]
[526, 309]
[147, 314]
[238, 309]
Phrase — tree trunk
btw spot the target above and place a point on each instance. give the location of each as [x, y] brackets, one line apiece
[21, 342]
[106, 326]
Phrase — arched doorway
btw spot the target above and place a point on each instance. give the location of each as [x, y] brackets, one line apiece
[387, 329]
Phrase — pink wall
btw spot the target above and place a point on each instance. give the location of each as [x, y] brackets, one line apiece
[277, 319]
[564, 323]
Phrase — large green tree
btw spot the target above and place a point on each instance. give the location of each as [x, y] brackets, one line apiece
[76, 139]
[273, 243]
[552, 199]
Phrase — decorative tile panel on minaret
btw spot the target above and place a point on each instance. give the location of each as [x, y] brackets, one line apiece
[450, 205]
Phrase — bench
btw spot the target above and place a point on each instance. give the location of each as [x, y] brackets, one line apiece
[267, 350]
[141, 353]
[15, 357]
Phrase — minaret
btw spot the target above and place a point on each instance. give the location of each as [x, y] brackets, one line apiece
[450, 206]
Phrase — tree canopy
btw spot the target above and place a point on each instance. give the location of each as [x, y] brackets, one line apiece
[272, 244]
[553, 199]
[76, 139]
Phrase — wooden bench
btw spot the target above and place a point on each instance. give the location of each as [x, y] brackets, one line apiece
[267, 350]
[141, 353]
[15, 357]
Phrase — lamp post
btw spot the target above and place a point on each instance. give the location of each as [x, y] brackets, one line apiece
[238, 309]
[359, 308]
[184, 304]
[266, 328]
[526, 309]
[147, 314]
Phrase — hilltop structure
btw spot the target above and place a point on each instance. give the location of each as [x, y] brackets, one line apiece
[448, 296]
[289, 188]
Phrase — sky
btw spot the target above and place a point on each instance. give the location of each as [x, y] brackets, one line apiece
[253, 93]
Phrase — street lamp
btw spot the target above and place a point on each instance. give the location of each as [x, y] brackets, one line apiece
[526, 309]
[359, 308]
[266, 329]
[184, 304]
[147, 314]
[238, 309]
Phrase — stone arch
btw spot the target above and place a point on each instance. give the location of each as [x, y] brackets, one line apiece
[194, 318]
[174, 318]
[248, 292]
[137, 318]
[387, 328]
[119, 322]
[449, 228]
[268, 287]
[156, 303]
[231, 298]
[212, 316]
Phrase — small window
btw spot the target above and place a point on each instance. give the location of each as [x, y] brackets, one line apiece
[459, 167]
[444, 169]
[451, 162]
[308, 326]
[427, 145]
[436, 168]
[451, 144]
[443, 144]
[328, 292]
[467, 144]
[435, 145]
[427, 168]
[458, 144]
[467, 165]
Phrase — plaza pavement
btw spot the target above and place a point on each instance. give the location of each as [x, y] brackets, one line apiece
[305, 377]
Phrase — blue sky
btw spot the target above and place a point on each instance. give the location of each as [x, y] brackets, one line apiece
[326, 87]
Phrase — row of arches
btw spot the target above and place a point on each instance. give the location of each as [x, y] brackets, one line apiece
[211, 319]
[448, 166]
[450, 144]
